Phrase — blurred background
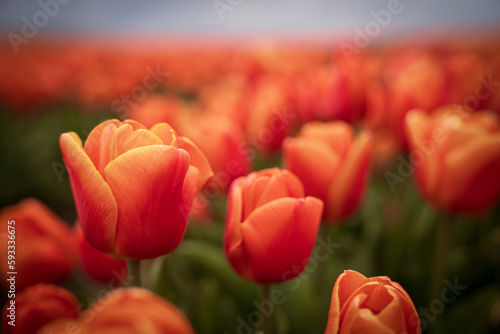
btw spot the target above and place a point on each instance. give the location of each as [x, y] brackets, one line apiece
[219, 71]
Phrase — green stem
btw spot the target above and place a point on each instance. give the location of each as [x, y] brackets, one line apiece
[265, 296]
[440, 265]
[134, 272]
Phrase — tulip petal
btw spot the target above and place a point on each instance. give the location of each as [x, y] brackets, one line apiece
[475, 185]
[347, 282]
[147, 183]
[358, 320]
[166, 133]
[94, 200]
[338, 135]
[313, 162]
[346, 191]
[280, 235]
[94, 140]
[427, 175]
[233, 240]
[198, 160]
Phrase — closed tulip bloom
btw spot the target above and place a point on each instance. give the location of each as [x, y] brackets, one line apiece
[37, 306]
[270, 227]
[456, 156]
[126, 311]
[40, 246]
[134, 187]
[98, 265]
[370, 305]
[333, 164]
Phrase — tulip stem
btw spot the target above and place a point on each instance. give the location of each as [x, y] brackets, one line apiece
[440, 265]
[265, 297]
[134, 272]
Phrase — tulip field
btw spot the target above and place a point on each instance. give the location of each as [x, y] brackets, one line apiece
[250, 188]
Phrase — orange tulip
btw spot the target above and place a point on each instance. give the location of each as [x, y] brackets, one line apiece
[456, 156]
[126, 311]
[40, 242]
[37, 306]
[223, 143]
[98, 265]
[332, 163]
[134, 187]
[370, 305]
[270, 227]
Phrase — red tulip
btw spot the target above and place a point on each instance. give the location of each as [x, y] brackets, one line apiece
[41, 244]
[270, 227]
[370, 305]
[126, 311]
[134, 187]
[456, 156]
[36, 306]
[98, 265]
[332, 163]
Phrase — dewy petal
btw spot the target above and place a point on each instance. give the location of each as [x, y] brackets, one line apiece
[198, 160]
[280, 235]
[94, 200]
[147, 183]
[349, 186]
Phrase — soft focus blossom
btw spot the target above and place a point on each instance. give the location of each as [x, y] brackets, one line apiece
[333, 163]
[37, 306]
[40, 243]
[456, 156]
[126, 311]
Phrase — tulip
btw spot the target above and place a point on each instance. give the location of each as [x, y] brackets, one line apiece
[37, 306]
[98, 265]
[411, 79]
[156, 109]
[222, 142]
[332, 163]
[456, 156]
[134, 187]
[270, 227]
[126, 311]
[370, 305]
[269, 117]
[40, 242]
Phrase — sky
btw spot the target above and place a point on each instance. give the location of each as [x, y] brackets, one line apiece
[241, 17]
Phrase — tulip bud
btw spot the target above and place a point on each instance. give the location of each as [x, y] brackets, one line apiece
[270, 227]
[39, 244]
[456, 156]
[332, 163]
[133, 310]
[37, 306]
[370, 305]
